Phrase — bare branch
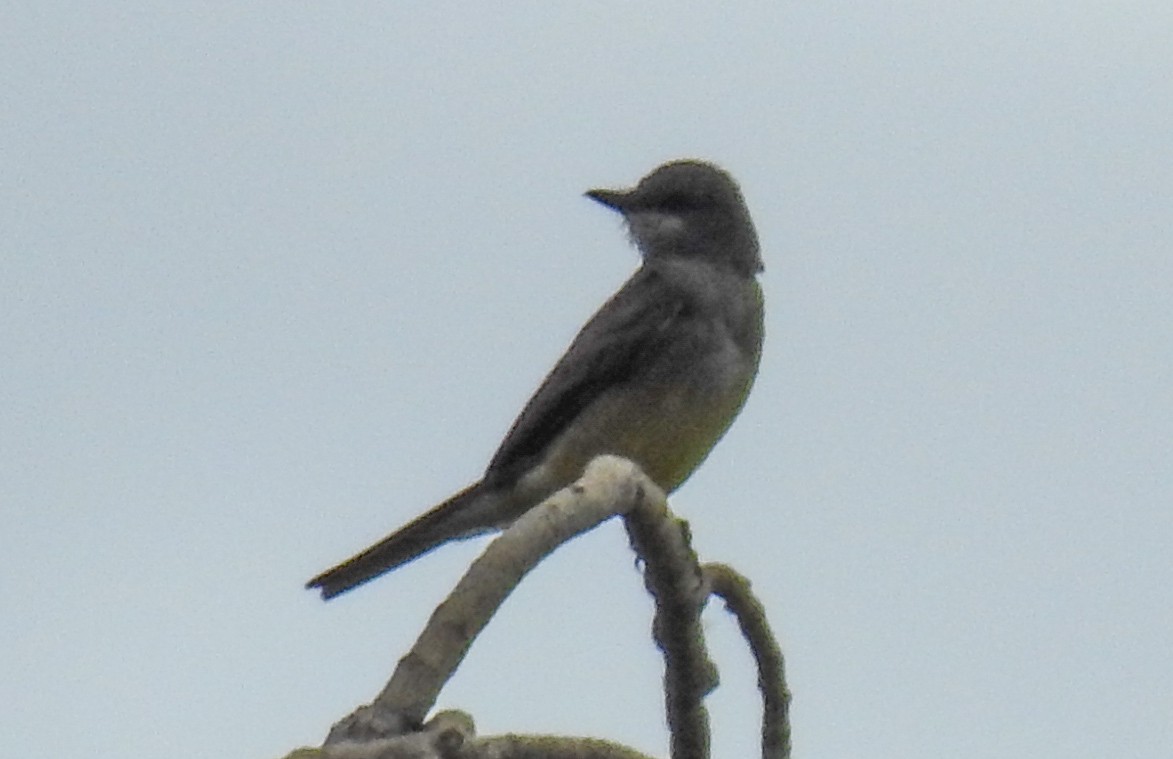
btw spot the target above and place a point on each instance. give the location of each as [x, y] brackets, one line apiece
[734, 589]
[609, 485]
[673, 577]
[550, 747]
[390, 727]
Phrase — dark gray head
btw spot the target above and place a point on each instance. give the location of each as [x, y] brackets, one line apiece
[688, 208]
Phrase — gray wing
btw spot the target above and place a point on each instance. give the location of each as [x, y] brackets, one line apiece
[629, 331]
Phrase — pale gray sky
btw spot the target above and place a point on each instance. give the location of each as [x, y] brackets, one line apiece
[276, 276]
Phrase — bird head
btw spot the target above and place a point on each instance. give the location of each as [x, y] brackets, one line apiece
[691, 209]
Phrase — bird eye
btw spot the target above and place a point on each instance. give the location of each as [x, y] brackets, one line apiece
[676, 201]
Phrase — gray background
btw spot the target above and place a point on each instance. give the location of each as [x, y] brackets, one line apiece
[277, 276]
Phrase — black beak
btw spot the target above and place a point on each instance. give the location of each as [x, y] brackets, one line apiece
[611, 198]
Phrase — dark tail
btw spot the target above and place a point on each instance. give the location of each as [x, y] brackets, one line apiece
[451, 520]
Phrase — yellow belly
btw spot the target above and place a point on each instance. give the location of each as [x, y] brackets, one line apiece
[668, 431]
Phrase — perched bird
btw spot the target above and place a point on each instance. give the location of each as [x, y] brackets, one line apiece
[656, 376]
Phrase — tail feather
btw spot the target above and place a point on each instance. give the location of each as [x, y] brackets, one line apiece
[453, 519]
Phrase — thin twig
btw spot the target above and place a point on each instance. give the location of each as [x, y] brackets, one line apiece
[734, 588]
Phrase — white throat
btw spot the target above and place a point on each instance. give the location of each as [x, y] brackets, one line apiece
[650, 228]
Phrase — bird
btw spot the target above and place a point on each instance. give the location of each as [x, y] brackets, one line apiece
[657, 375]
